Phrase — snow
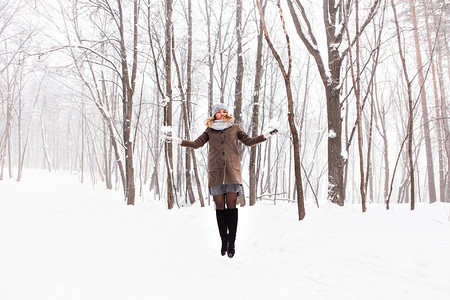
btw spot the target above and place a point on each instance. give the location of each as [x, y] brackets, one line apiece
[166, 130]
[331, 134]
[61, 239]
[273, 124]
[344, 154]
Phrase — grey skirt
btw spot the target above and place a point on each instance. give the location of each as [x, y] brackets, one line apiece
[225, 188]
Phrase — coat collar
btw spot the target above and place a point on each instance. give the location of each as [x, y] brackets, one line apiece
[221, 125]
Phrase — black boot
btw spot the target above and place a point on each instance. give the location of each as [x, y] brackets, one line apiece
[232, 220]
[221, 216]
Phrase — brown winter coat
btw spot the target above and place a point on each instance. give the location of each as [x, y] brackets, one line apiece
[224, 163]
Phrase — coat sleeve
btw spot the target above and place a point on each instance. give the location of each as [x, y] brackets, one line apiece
[247, 140]
[199, 142]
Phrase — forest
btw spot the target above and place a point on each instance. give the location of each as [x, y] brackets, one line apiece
[358, 90]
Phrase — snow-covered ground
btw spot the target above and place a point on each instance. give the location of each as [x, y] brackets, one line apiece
[60, 239]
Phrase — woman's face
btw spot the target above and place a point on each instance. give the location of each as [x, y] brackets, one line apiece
[219, 115]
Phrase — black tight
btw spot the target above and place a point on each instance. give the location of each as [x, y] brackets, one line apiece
[229, 199]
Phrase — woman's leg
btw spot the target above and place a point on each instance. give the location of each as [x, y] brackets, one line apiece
[232, 219]
[231, 200]
[221, 215]
[220, 201]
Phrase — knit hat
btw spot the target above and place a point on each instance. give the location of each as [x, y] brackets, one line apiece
[218, 106]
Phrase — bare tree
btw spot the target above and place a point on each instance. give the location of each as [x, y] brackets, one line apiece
[425, 119]
[381, 126]
[239, 80]
[168, 149]
[335, 18]
[128, 88]
[438, 10]
[255, 112]
[15, 40]
[361, 96]
[190, 152]
[123, 74]
[185, 116]
[47, 161]
[22, 152]
[294, 133]
[410, 108]
[439, 131]
[5, 142]
[357, 89]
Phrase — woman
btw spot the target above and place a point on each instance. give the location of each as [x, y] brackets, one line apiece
[224, 168]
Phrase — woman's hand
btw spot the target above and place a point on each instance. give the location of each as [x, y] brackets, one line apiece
[171, 139]
[271, 132]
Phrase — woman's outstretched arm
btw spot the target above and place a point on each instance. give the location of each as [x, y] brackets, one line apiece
[199, 142]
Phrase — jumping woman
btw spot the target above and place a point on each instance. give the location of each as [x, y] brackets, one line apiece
[224, 168]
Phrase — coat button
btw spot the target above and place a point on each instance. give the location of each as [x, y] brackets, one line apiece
[221, 132]
[223, 153]
[222, 142]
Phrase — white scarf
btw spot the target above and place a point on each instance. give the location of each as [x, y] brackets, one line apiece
[221, 125]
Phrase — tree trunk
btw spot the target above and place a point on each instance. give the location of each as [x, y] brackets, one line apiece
[357, 90]
[239, 81]
[168, 108]
[369, 170]
[425, 120]
[47, 162]
[443, 107]
[410, 110]
[19, 132]
[240, 65]
[154, 181]
[381, 113]
[336, 192]
[296, 146]
[6, 140]
[255, 113]
[128, 88]
[210, 58]
[188, 104]
[25, 146]
[185, 117]
[190, 154]
[83, 139]
[107, 158]
[439, 121]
